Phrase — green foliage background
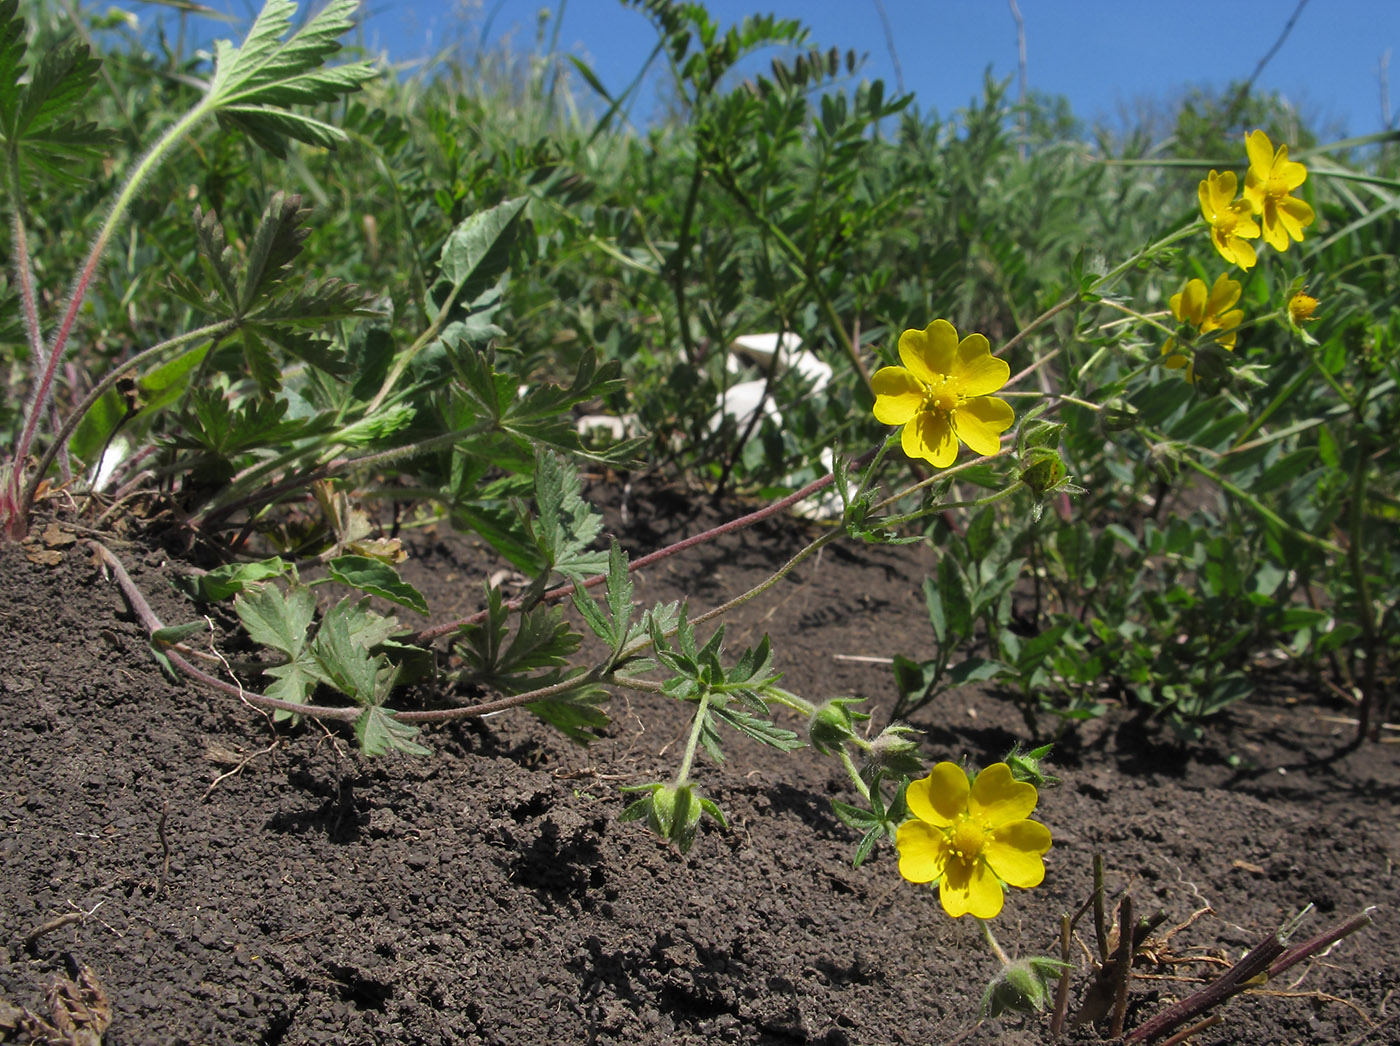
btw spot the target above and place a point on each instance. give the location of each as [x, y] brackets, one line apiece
[477, 255]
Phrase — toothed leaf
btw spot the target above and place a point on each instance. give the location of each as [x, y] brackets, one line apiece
[378, 579]
[380, 733]
[252, 84]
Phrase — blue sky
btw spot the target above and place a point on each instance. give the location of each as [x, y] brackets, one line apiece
[1104, 55]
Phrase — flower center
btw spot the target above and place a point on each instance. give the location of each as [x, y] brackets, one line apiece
[967, 839]
[941, 398]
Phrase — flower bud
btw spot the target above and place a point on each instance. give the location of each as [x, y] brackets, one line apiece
[833, 724]
[1023, 986]
[1117, 415]
[1301, 308]
[675, 815]
[1042, 470]
[1026, 766]
[895, 751]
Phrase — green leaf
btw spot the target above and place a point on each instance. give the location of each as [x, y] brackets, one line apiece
[542, 640]
[41, 119]
[225, 581]
[759, 729]
[171, 634]
[567, 523]
[575, 715]
[380, 733]
[853, 816]
[276, 620]
[276, 244]
[12, 67]
[347, 664]
[612, 629]
[366, 628]
[975, 670]
[378, 579]
[953, 603]
[477, 253]
[254, 83]
[280, 621]
[541, 414]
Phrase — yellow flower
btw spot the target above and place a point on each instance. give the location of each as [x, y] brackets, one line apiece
[971, 838]
[1301, 308]
[940, 395]
[1271, 177]
[1229, 218]
[1205, 312]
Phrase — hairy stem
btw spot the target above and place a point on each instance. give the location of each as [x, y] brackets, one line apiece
[43, 389]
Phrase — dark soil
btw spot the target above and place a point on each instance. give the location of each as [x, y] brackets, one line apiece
[488, 893]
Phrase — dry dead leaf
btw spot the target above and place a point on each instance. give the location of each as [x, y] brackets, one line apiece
[45, 557]
[79, 1014]
[55, 536]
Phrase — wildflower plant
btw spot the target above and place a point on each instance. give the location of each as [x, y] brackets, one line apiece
[970, 838]
[941, 395]
[1268, 188]
[1231, 224]
[267, 412]
[1207, 311]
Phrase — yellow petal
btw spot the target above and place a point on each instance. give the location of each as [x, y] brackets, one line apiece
[930, 436]
[977, 372]
[969, 888]
[979, 423]
[1294, 213]
[1233, 318]
[1243, 254]
[1190, 305]
[997, 798]
[1253, 193]
[1261, 152]
[1275, 235]
[1223, 294]
[923, 851]
[1216, 194]
[941, 796]
[929, 353]
[898, 395]
[1013, 853]
[1290, 172]
[1227, 244]
[1225, 186]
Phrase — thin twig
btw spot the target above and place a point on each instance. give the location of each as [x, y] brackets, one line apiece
[56, 923]
[1230, 983]
[164, 848]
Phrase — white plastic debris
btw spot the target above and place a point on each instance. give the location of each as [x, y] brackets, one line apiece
[614, 428]
[741, 400]
[116, 452]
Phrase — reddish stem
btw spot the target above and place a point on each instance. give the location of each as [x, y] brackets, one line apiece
[438, 631]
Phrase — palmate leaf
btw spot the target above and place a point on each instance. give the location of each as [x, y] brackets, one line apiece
[613, 627]
[575, 715]
[280, 622]
[567, 523]
[542, 640]
[252, 84]
[276, 244]
[41, 120]
[271, 313]
[380, 733]
[12, 67]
